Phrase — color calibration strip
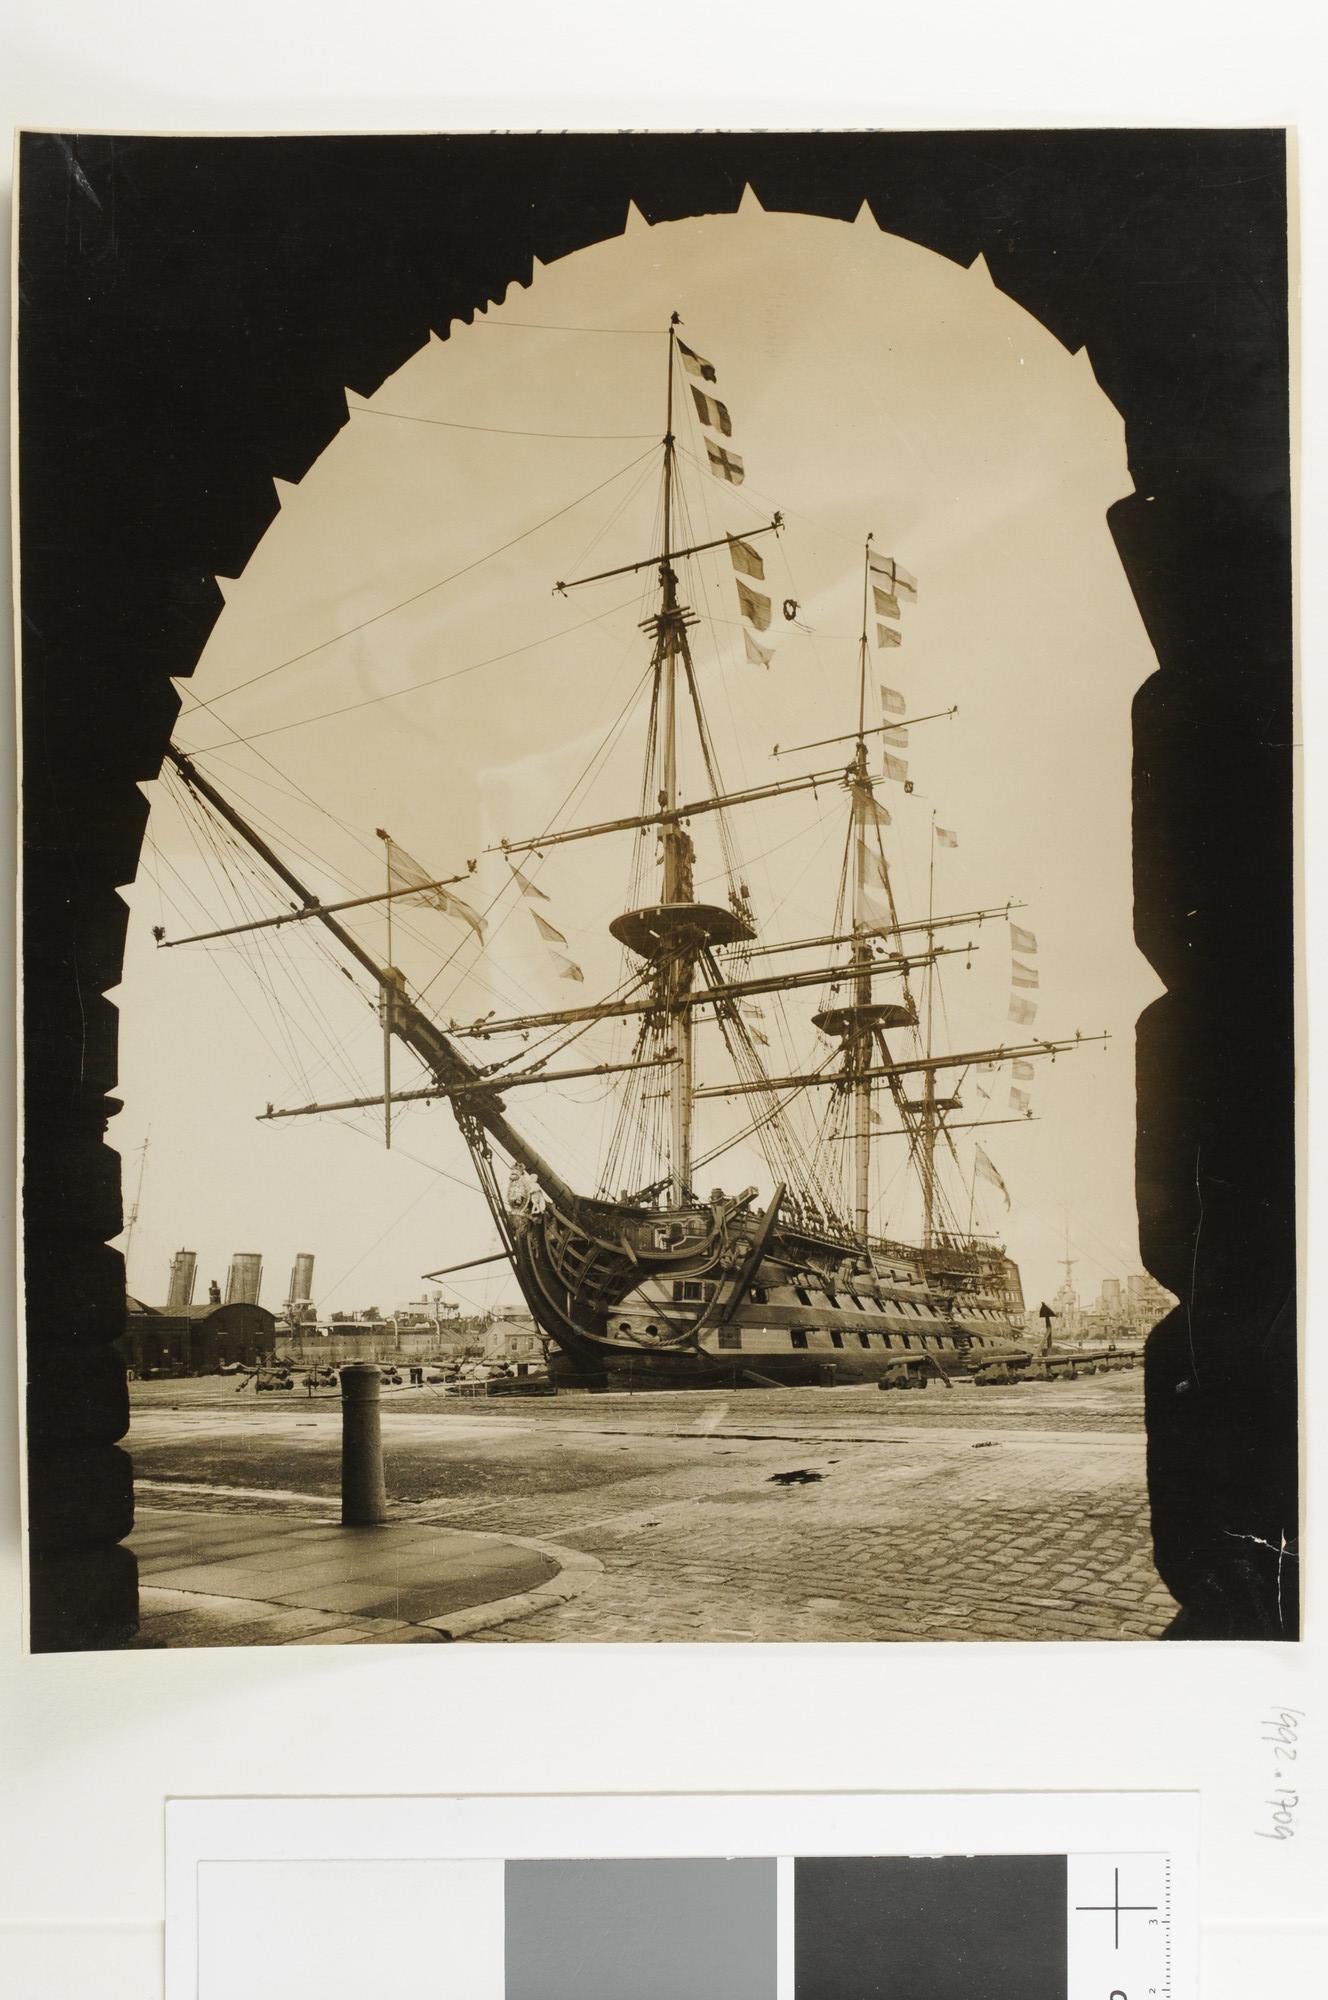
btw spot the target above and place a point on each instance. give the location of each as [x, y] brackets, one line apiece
[847, 1927]
[860, 1927]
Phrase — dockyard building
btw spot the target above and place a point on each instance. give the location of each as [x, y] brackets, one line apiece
[196, 1339]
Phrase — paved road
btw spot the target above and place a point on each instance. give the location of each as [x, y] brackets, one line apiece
[970, 1513]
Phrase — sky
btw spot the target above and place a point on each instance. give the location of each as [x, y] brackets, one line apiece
[396, 655]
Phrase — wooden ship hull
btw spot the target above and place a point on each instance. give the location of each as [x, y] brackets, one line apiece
[674, 1298]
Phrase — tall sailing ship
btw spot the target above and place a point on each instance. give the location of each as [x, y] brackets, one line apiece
[660, 1273]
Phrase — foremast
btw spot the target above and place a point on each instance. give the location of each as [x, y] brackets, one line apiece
[672, 933]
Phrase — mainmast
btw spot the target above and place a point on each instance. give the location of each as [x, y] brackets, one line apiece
[672, 933]
[857, 1050]
[675, 977]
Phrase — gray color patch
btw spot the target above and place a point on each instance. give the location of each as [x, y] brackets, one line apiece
[640, 1930]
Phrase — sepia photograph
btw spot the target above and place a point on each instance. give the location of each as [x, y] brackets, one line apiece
[658, 945]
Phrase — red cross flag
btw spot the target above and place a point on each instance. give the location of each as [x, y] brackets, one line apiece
[724, 464]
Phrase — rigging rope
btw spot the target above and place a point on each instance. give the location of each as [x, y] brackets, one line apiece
[501, 985]
[499, 430]
[465, 570]
[390, 694]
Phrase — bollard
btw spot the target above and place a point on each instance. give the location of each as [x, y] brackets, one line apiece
[363, 1493]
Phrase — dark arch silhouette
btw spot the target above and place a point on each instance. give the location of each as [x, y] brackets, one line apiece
[190, 314]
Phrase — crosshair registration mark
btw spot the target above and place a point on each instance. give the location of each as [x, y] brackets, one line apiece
[1115, 1906]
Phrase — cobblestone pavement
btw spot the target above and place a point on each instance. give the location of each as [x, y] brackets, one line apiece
[968, 1514]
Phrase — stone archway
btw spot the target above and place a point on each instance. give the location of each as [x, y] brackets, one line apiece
[191, 312]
